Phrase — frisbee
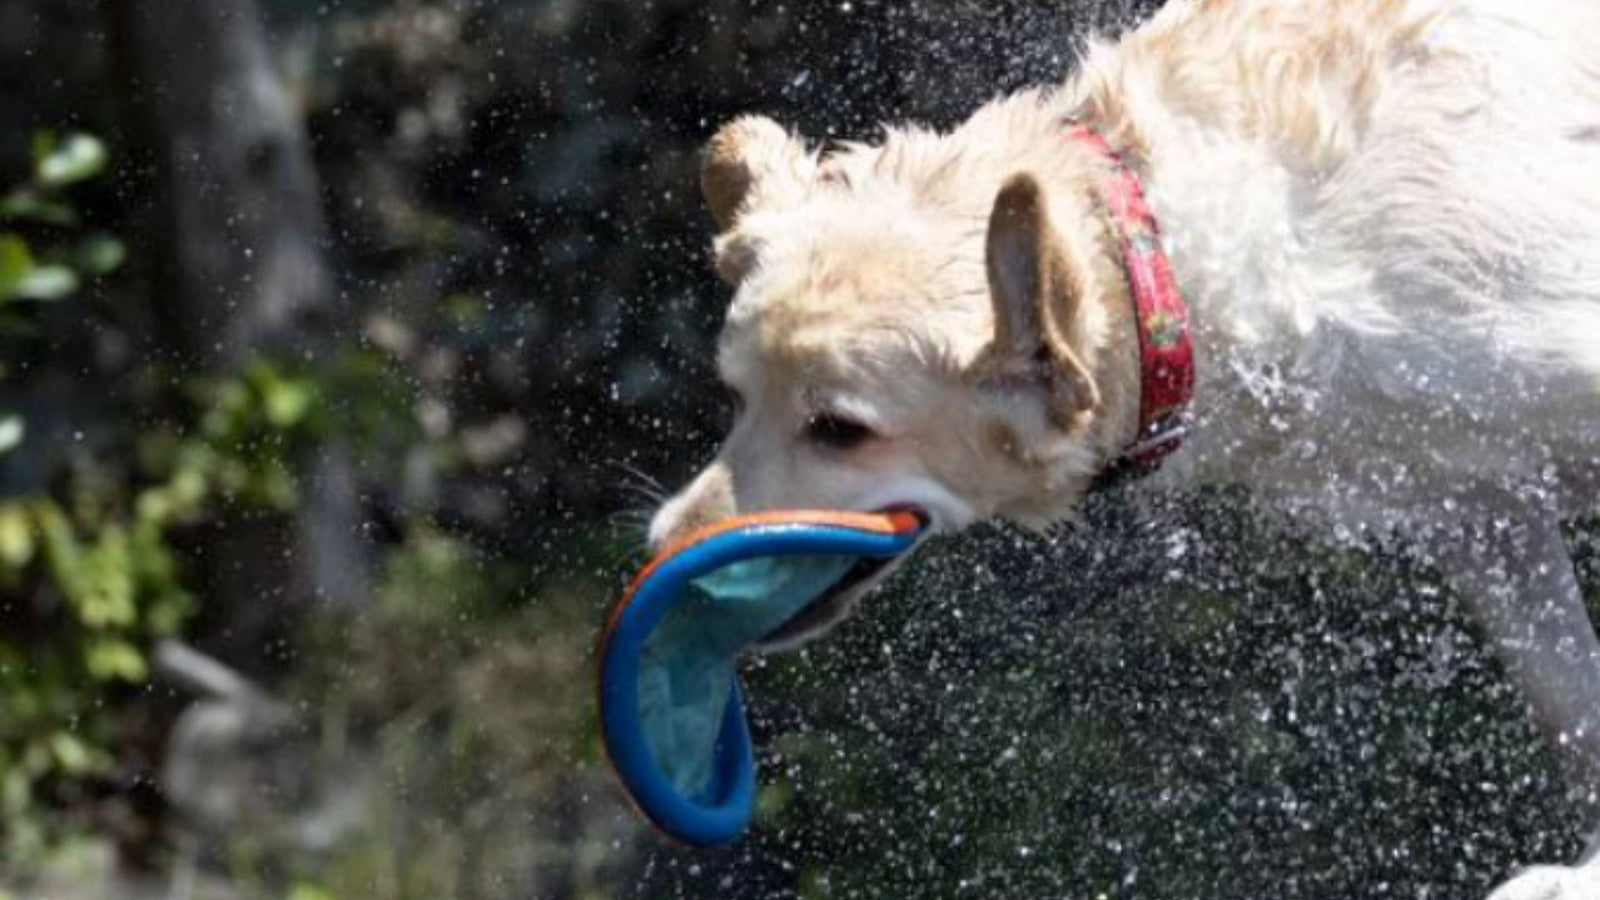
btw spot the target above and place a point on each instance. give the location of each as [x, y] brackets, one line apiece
[672, 713]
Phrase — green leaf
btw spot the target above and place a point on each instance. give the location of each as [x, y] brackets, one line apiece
[62, 550]
[286, 400]
[16, 261]
[191, 482]
[27, 203]
[303, 891]
[71, 753]
[107, 596]
[16, 537]
[12, 430]
[16, 793]
[100, 254]
[75, 159]
[49, 282]
[43, 144]
[113, 658]
[166, 613]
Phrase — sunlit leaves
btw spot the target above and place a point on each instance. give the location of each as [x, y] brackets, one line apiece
[71, 753]
[286, 401]
[17, 542]
[95, 576]
[309, 892]
[265, 396]
[99, 254]
[27, 204]
[47, 282]
[16, 261]
[12, 430]
[58, 270]
[114, 658]
[96, 563]
[60, 162]
[92, 583]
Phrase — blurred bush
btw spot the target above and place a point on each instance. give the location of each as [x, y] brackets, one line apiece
[81, 587]
[91, 528]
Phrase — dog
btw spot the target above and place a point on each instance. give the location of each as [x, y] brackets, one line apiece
[1382, 218]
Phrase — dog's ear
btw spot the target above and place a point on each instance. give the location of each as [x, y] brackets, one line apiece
[1038, 305]
[749, 163]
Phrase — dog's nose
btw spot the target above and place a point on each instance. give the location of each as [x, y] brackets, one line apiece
[678, 518]
[706, 499]
[664, 525]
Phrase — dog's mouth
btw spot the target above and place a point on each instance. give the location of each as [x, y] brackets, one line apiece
[835, 604]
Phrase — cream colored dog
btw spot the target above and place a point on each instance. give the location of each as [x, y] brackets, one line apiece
[1384, 214]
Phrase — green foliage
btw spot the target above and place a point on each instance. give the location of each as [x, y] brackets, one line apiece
[66, 161]
[92, 578]
[44, 255]
[89, 574]
[468, 682]
[76, 600]
[57, 267]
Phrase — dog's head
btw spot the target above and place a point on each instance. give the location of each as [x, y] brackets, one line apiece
[908, 327]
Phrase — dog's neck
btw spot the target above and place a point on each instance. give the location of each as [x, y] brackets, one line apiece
[1166, 348]
[1095, 191]
[1110, 326]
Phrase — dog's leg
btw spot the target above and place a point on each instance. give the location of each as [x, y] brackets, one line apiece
[1518, 579]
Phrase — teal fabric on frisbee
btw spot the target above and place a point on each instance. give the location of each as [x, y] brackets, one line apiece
[689, 660]
[671, 709]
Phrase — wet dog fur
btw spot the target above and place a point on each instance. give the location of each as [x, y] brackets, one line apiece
[1385, 215]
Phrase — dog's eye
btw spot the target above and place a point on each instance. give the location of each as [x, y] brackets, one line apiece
[837, 432]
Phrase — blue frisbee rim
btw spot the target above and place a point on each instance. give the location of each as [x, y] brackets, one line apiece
[730, 802]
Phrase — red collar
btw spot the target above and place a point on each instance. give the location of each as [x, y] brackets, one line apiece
[1166, 349]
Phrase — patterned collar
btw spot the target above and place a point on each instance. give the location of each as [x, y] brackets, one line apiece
[1166, 348]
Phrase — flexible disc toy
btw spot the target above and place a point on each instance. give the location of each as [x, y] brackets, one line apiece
[671, 710]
